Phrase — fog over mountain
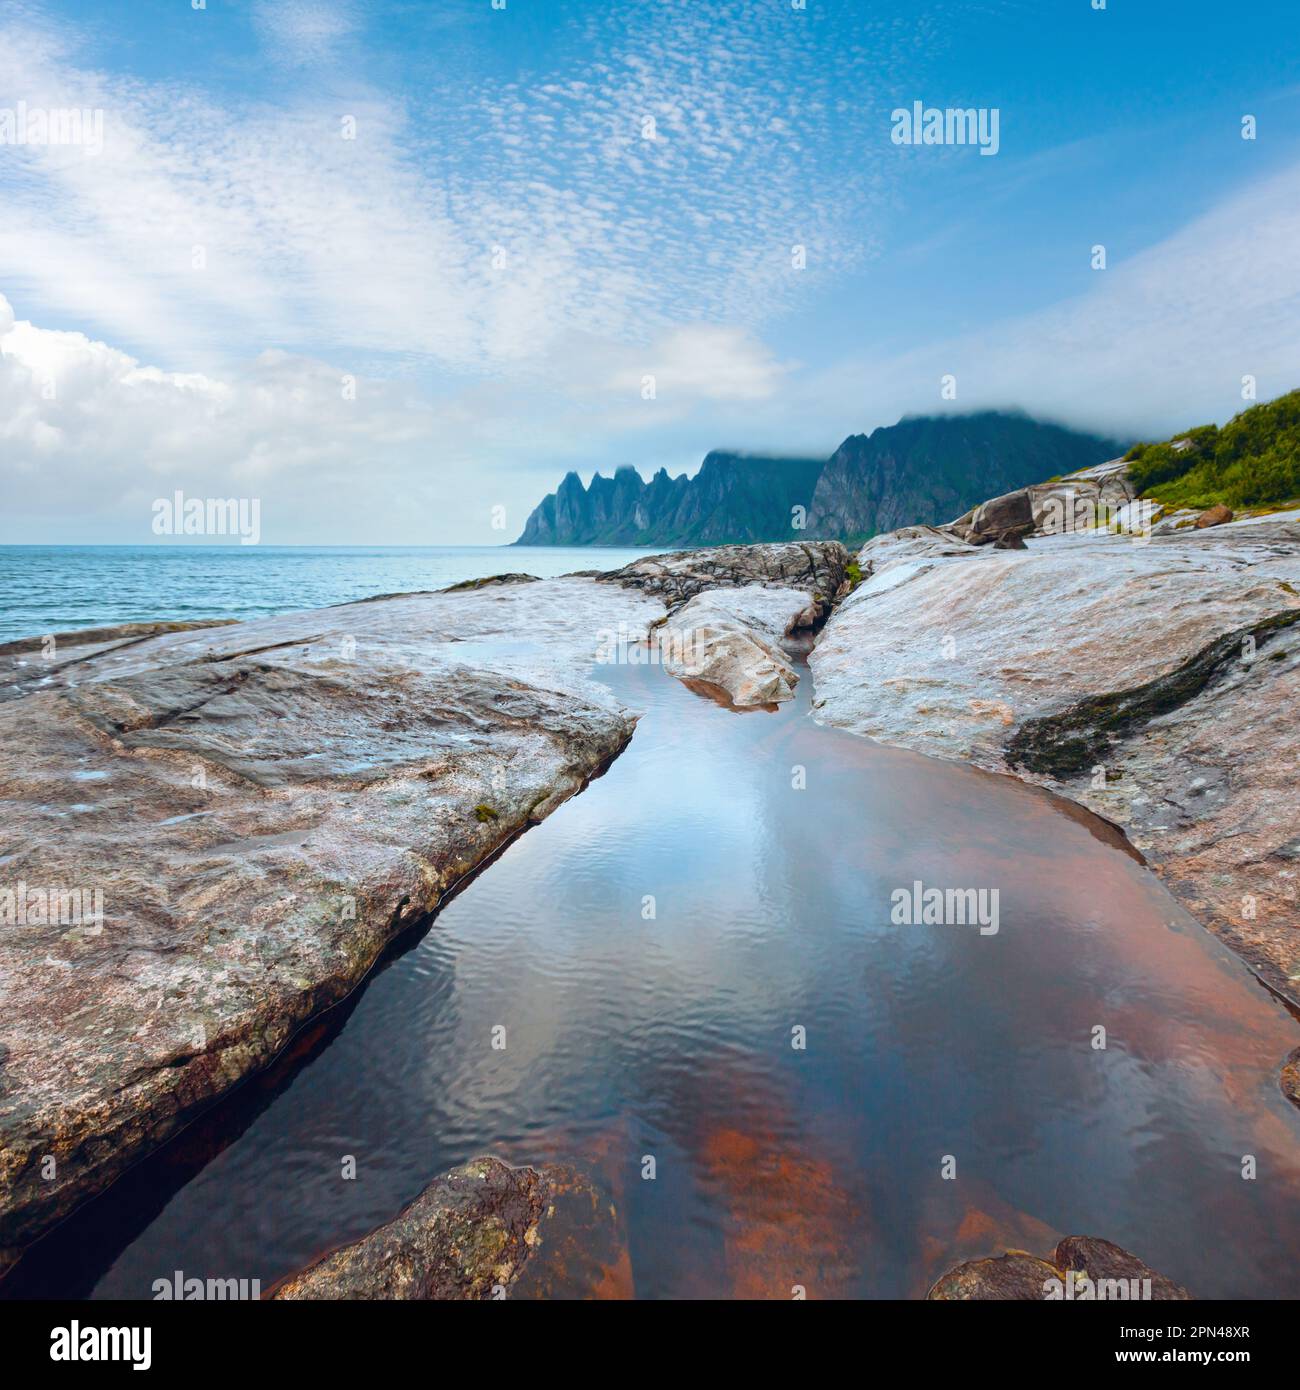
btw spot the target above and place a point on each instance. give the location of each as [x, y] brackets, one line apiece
[925, 469]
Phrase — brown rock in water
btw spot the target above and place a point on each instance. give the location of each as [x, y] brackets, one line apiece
[1013, 1276]
[1018, 1275]
[1214, 516]
[788, 1218]
[736, 640]
[1103, 1261]
[483, 1230]
[1290, 1079]
[259, 810]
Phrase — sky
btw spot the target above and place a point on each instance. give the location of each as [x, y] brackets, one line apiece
[394, 268]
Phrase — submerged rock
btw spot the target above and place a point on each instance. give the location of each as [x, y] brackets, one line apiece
[483, 1230]
[211, 837]
[1084, 1268]
[1154, 683]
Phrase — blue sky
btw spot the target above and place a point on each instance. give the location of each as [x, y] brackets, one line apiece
[389, 336]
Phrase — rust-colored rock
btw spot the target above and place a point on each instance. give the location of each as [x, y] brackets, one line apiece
[1214, 516]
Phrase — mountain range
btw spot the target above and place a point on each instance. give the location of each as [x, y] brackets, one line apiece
[925, 469]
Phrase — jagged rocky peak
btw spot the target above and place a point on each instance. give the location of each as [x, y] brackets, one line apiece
[923, 470]
[927, 469]
[734, 498]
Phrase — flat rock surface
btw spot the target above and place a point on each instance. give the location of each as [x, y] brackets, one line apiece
[484, 1230]
[1158, 684]
[260, 808]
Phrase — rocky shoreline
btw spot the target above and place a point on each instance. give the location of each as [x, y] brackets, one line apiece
[265, 806]
[1154, 681]
[262, 807]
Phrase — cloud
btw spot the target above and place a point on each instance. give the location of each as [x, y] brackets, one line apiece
[302, 31]
[475, 229]
[687, 365]
[499, 265]
[1159, 341]
[89, 436]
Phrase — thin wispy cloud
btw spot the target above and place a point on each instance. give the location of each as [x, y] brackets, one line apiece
[304, 31]
[669, 181]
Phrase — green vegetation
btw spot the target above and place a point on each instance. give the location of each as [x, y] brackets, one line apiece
[853, 573]
[484, 813]
[1253, 461]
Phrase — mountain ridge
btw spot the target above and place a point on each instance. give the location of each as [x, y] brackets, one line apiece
[923, 470]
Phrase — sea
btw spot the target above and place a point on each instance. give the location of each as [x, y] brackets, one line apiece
[60, 588]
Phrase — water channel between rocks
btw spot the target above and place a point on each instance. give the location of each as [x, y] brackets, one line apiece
[671, 1037]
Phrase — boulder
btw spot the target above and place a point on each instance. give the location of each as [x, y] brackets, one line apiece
[1014, 1276]
[1217, 515]
[1096, 1270]
[482, 1231]
[817, 568]
[1013, 511]
[732, 640]
[1013, 539]
[1102, 1261]
[1290, 1078]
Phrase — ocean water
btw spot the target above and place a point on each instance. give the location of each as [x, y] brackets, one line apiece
[59, 588]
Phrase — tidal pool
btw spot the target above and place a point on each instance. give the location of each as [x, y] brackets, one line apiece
[655, 950]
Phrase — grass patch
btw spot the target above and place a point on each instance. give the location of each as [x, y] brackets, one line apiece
[1253, 462]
